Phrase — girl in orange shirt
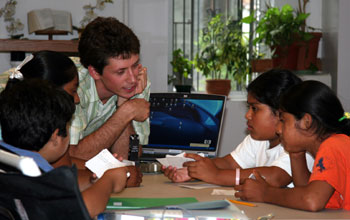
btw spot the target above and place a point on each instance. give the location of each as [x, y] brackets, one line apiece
[312, 119]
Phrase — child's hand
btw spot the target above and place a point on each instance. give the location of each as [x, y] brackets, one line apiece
[135, 178]
[141, 80]
[176, 175]
[118, 178]
[120, 158]
[252, 189]
[202, 168]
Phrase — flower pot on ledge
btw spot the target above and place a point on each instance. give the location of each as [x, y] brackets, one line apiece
[218, 86]
[307, 54]
[286, 57]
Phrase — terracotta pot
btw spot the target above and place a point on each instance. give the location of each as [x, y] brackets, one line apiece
[286, 57]
[261, 65]
[307, 54]
[218, 86]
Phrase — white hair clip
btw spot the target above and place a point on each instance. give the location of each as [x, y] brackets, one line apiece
[16, 74]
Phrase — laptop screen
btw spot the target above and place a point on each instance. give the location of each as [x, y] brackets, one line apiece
[182, 122]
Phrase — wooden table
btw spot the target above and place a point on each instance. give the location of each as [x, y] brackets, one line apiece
[158, 186]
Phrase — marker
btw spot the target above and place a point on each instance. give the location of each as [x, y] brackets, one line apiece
[242, 203]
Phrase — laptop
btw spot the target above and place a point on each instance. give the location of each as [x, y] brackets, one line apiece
[184, 122]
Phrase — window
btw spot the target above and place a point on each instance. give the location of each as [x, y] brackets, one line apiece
[189, 18]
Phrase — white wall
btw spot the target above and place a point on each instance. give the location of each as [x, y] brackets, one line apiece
[234, 126]
[150, 21]
[343, 73]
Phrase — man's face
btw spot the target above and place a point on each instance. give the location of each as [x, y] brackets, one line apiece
[120, 76]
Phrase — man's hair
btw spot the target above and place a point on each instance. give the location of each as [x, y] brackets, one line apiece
[31, 110]
[105, 38]
[268, 87]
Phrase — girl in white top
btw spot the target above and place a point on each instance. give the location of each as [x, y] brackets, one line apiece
[260, 150]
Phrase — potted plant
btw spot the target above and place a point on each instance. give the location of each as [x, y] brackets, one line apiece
[283, 30]
[307, 54]
[182, 70]
[222, 55]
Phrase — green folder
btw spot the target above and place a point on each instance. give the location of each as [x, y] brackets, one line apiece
[141, 203]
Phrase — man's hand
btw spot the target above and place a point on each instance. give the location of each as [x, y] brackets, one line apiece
[176, 175]
[202, 168]
[135, 178]
[141, 80]
[252, 190]
[138, 109]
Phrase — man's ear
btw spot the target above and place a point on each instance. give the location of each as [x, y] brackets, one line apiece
[306, 121]
[93, 73]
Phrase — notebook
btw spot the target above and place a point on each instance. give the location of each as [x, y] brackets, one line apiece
[184, 122]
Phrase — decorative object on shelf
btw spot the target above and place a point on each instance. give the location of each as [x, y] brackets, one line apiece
[49, 22]
[223, 54]
[182, 72]
[13, 25]
[90, 11]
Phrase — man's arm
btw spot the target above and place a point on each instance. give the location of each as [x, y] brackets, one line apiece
[121, 145]
[110, 131]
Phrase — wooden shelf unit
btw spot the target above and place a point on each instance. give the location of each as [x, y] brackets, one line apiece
[64, 46]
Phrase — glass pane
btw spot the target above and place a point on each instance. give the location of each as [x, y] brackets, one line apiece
[191, 16]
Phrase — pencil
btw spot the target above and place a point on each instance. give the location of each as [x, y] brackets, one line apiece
[242, 203]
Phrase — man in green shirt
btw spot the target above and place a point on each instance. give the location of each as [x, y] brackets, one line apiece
[113, 89]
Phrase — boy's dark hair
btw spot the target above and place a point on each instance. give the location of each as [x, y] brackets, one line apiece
[31, 110]
[49, 65]
[318, 100]
[268, 87]
[104, 38]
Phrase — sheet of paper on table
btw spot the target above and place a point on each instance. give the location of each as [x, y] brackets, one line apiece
[175, 160]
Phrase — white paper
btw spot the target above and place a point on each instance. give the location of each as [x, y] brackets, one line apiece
[198, 185]
[105, 161]
[226, 192]
[175, 160]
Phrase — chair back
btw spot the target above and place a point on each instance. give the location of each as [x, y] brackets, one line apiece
[52, 195]
[25, 164]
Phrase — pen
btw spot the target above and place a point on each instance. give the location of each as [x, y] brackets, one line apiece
[242, 203]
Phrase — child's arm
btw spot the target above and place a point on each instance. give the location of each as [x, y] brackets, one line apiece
[96, 196]
[312, 197]
[206, 170]
[181, 175]
[135, 178]
[226, 162]
[300, 172]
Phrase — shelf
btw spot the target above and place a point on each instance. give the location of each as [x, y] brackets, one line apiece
[64, 46]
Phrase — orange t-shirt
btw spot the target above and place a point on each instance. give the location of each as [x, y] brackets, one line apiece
[332, 164]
